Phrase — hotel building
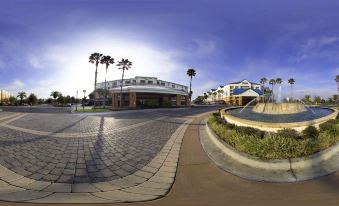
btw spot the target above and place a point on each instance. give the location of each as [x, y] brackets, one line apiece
[140, 91]
[235, 93]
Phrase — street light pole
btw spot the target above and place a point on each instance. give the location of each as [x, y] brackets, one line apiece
[76, 102]
[83, 102]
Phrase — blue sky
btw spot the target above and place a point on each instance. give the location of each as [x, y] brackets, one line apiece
[45, 44]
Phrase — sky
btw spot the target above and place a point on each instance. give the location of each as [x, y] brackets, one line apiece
[45, 44]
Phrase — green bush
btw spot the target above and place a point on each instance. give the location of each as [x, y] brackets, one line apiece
[286, 143]
[329, 125]
[152, 103]
[310, 132]
[289, 133]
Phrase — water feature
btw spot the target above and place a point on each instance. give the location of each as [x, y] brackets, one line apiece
[247, 104]
[249, 114]
[308, 107]
[279, 100]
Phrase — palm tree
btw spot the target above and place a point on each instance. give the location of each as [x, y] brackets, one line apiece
[337, 80]
[291, 81]
[272, 82]
[107, 60]
[191, 73]
[278, 81]
[95, 59]
[22, 95]
[124, 64]
[263, 81]
[55, 94]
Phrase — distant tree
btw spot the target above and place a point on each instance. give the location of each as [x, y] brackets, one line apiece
[220, 93]
[68, 99]
[272, 82]
[199, 100]
[107, 60]
[61, 99]
[55, 94]
[49, 101]
[72, 99]
[317, 99]
[307, 99]
[191, 73]
[205, 96]
[124, 64]
[291, 82]
[12, 100]
[278, 81]
[41, 101]
[32, 99]
[21, 95]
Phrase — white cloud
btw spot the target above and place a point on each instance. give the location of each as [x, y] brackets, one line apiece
[15, 85]
[71, 70]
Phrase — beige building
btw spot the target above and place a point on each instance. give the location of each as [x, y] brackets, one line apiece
[235, 93]
[4, 95]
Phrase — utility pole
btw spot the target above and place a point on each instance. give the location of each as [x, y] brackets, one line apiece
[83, 102]
[76, 102]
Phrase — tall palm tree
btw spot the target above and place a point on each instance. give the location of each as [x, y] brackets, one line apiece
[278, 81]
[21, 95]
[55, 94]
[220, 93]
[291, 81]
[124, 64]
[263, 81]
[272, 82]
[107, 60]
[337, 80]
[95, 58]
[191, 73]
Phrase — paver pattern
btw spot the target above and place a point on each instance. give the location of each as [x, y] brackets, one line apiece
[79, 158]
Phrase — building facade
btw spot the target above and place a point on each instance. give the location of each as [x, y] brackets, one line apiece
[4, 96]
[235, 93]
[146, 92]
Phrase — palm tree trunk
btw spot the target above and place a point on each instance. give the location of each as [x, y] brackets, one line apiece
[104, 104]
[190, 94]
[272, 94]
[338, 95]
[95, 82]
[122, 83]
[291, 92]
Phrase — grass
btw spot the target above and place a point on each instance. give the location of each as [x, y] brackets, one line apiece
[80, 110]
[286, 143]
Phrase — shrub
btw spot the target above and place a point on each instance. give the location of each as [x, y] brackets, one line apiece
[310, 132]
[289, 133]
[250, 131]
[330, 124]
[152, 103]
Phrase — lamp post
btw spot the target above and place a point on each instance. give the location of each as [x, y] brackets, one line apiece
[83, 102]
[76, 101]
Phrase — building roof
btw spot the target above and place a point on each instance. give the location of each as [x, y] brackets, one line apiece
[239, 91]
[242, 81]
[148, 89]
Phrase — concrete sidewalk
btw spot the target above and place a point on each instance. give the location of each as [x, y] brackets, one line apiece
[200, 182]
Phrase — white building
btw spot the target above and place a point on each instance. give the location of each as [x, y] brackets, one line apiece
[235, 93]
[139, 80]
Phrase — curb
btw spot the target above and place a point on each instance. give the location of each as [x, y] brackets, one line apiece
[316, 165]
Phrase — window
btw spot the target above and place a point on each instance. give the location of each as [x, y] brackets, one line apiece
[158, 82]
[162, 84]
[127, 82]
[142, 82]
[173, 86]
[134, 81]
[150, 82]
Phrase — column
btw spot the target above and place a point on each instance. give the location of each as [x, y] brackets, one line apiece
[178, 100]
[132, 100]
[115, 100]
